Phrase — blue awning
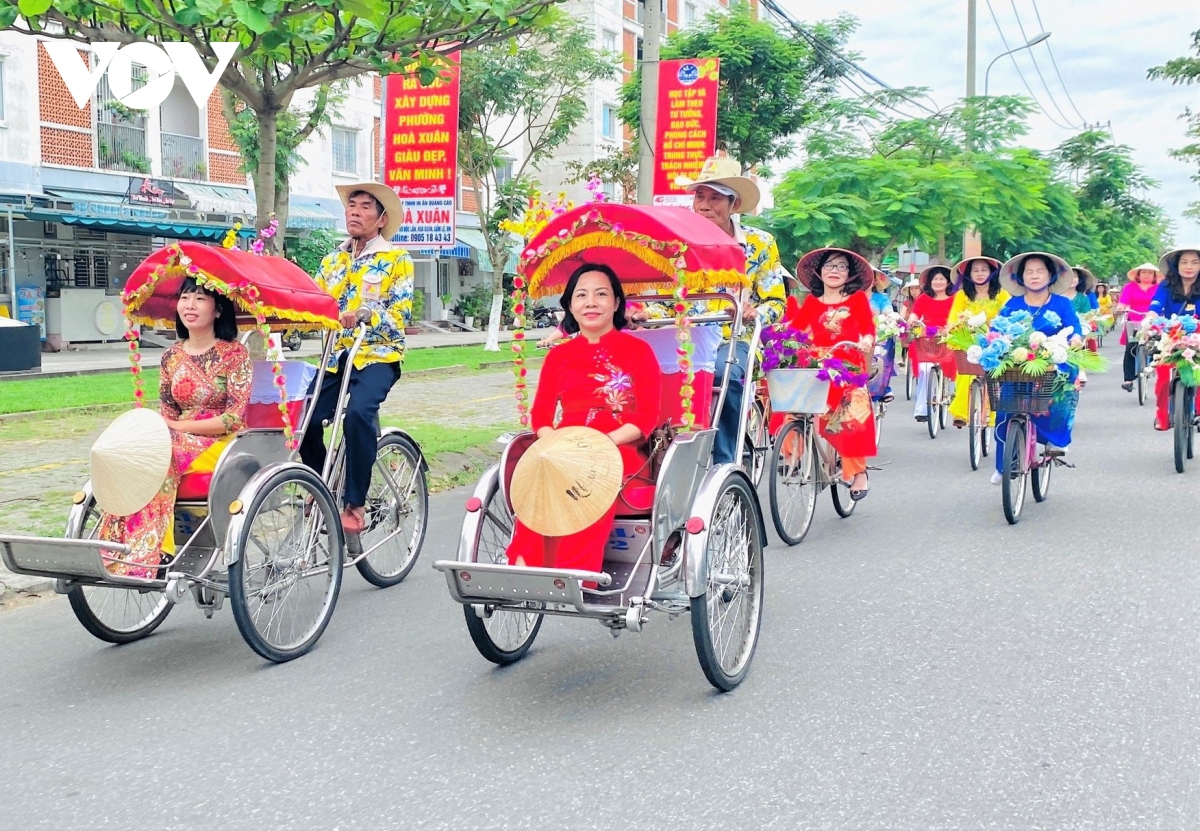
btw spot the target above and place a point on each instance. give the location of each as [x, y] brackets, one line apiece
[177, 230]
[106, 205]
[308, 214]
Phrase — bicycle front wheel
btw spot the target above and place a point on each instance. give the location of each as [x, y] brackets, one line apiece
[932, 391]
[1041, 478]
[1141, 377]
[976, 424]
[910, 378]
[1015, 471]
[1180, 418]
[793, 481]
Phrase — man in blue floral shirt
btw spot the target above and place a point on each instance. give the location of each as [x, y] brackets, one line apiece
[364, 272]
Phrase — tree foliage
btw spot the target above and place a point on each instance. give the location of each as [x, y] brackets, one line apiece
[772, 85]
[1186, 70]
[520, 102]
[287, 47]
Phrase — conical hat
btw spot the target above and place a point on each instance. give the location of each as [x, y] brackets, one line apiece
[1147, 266]
[130, 461]
[566, 481]
[1058, 281]
[1171, 258]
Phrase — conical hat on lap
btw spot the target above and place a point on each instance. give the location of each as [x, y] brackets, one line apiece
[566, 481]
[130, 461]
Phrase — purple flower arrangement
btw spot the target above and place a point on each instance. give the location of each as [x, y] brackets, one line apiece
[786, 347]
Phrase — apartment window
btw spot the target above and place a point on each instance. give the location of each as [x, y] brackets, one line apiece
[689, 14]
[504, 173]
[345, 150]
[608, 42]
[608, 121]
[2, 90]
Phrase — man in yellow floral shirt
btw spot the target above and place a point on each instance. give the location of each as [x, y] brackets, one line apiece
[365, 272]
[719, 192]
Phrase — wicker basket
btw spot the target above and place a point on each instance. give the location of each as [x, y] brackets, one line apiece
[928, 351]
[964, 366]
[1016, 392]
[797, 391]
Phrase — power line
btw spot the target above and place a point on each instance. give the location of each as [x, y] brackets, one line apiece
[1055, 63]
[1041, 77]
[1017, 66]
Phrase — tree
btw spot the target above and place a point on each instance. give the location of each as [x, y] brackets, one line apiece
[772, 85]
[619, 167]
[1186, 70]
[519, 103]
[285, 48]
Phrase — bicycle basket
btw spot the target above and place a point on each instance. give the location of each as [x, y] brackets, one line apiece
[1016, 392]
[928, 351]
[797, 391]
[964, 366]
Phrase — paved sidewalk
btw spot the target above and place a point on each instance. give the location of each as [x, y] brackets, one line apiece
[106, 357]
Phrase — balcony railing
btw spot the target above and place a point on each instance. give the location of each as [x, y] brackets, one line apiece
[183, 157]
[122, 147]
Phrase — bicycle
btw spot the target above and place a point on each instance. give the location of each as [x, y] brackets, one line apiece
[978, 413]
[877, 386]
[1181, 410]
[1142, 355]
[1020, 397]
[931, 352]
[756, 441]
[910, 377]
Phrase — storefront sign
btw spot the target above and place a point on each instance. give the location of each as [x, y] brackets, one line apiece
[420, 156]
[147, 191]
[686, 125]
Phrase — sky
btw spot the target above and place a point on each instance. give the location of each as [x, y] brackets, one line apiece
[1103, 49]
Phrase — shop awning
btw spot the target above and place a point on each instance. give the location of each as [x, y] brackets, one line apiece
[106, 205]
[216, 199]
[175, 230]
[308, 214]
[470, 241]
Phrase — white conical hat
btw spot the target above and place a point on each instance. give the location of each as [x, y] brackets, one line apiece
[130, 461]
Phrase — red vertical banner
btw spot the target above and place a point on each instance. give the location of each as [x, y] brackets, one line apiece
[420, 154]
[686, 125]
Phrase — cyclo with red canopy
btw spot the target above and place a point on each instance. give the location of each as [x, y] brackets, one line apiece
[262, 529]
[688, 534]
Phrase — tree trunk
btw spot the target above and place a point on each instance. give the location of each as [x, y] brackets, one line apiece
[264, 177]
[283, 193]
[499, 260]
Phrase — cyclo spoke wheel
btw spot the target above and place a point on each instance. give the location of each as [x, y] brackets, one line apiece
[975, 424]
[284, 585]
[1015, 471]
[1182, 424]
[727, 617]
[114, 615]
[931, 392]
[1041, 478]
[500, 636]
[397, 509]
[793, 481]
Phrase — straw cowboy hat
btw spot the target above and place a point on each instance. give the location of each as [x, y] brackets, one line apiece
[1132, 273]
[959, 273]
[1172, 257]
[806, 269]
[1087, 280]
[130, 461]
[927, 274]
[724, 175]
[566, 481]
[1058, 282]
[386, 196]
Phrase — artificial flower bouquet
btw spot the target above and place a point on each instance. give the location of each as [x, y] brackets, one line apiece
[1178, 345]
[786, 347]
[1011, 344]
[889, 325]
[1096, 323]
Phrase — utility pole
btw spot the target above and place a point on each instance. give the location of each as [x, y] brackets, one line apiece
[972, 243]
[651, 37]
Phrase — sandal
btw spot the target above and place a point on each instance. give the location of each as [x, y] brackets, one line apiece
[860, 495]
[960, 423]
[1127, 386]
[354, 520]
[922, 419]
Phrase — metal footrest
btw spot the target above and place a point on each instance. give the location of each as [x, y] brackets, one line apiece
[61, 558]
[483, 583]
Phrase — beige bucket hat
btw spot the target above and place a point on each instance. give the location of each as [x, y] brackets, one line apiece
[725, 173]
[566, 481]
[386, 196]
[130, 461]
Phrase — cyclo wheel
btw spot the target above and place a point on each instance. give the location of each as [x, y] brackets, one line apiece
[397, 509]
[1040, 474]
[727, 617]
[1182, 424]
[284, 585]
[976, 424]
[793, 481]
[500, 636]
[932, 390]
[1015, 471]
[114, 615]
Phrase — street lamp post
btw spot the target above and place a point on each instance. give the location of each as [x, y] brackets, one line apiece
[1034, 41]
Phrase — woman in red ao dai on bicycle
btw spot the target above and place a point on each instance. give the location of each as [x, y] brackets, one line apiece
[932, 311]
[1177, 295]
[837, 310]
